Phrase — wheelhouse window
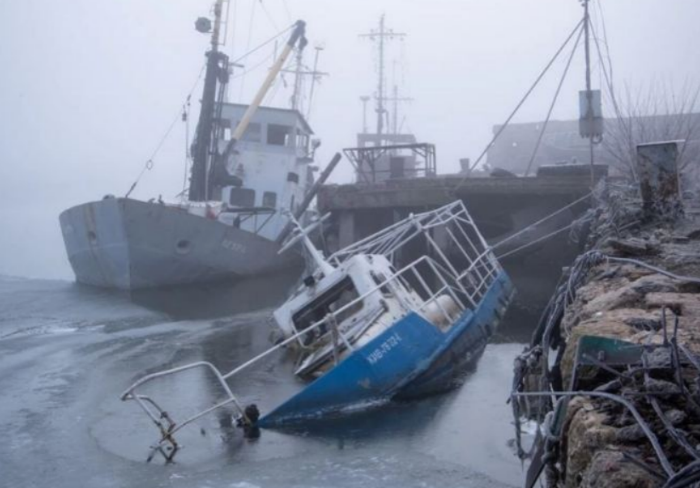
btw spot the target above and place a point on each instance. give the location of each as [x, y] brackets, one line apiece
[269, 199]
[335, 298]
[278, 135]
[302, 140]
[226, 131]
[242, 197]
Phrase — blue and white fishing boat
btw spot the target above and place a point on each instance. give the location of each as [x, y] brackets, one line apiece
[366, 330]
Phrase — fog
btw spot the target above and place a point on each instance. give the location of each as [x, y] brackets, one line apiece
[88, 88]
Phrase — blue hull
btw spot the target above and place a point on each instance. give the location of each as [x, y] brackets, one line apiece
[413, 358]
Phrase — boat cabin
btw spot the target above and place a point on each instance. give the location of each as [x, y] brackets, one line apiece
[357, 294]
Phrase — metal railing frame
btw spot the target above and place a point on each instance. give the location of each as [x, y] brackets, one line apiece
[484, 261]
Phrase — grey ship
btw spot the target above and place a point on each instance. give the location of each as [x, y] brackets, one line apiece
[251, 169]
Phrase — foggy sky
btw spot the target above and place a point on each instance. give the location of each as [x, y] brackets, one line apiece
[88, 87]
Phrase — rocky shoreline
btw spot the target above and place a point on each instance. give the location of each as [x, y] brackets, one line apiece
[611, 377]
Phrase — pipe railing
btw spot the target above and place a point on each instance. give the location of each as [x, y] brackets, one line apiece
[482, 270]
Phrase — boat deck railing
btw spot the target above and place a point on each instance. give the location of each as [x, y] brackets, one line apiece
[416, 287]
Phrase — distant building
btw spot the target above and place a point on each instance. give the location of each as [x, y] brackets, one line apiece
[561, 142]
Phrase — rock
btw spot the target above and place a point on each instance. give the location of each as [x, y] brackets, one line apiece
[655, 283]
[658, 358]
[610, 469]
[630, 434]
[633, 246]
[661, 388]
[644, 323]
[679, 239]
[676, 417]
[586, 434]
[618, 298]
[681, 303]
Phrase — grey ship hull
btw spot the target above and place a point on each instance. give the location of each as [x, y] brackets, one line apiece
[129, 244]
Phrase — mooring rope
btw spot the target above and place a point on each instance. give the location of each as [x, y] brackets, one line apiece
[542, 220]
[520, 104]
[148, 165]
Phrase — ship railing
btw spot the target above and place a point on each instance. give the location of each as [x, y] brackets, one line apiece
[449, 229]
[466, 288]
[392, 238]
[168, 427]
[243, 214]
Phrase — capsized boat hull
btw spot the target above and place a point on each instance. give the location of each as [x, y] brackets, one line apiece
[410, 359]
[129, 244]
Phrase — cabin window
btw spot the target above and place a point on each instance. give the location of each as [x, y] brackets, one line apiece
[242, 197]
[302, 140]
[293, 177]
[269, 199]
[253, 133]
[380, 279]
[335, 298]
[277, 135]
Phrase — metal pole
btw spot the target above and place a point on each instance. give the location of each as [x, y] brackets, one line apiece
[380, 87]
[589, 93]
[396, 110]
[313, 80]
[364, 113]
[310, 196]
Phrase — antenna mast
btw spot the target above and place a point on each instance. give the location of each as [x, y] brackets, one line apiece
[396, 99]
[364, 100]
[299, 73]
[215, 81]
[381, 35]
[316, 75]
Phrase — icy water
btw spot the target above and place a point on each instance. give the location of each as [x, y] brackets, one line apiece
[67, 353]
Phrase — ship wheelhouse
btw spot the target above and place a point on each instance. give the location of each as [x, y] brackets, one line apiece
[273, 161]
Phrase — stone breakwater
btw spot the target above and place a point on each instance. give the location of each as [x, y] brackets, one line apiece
[611, 377]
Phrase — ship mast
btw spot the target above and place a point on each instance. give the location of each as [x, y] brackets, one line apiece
[381, 35]
[299, 73]
[215, 81]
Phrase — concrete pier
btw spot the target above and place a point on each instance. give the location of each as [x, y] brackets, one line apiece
[500, 205]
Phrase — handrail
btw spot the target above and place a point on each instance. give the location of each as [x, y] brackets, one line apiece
[295, 336]
[465, 288]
